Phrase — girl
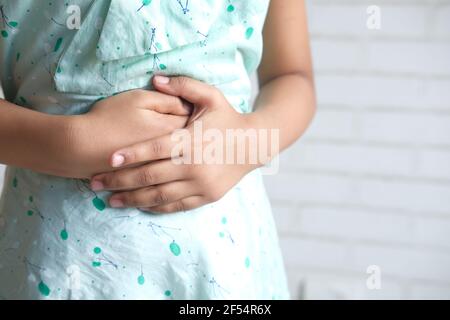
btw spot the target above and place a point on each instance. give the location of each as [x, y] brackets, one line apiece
[90, 184]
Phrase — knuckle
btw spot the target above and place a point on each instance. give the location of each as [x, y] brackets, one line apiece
[175, 102]
[161, 197]
[109, 180]
[114, 181]
[179, 206]
[134, 154]
[146, 177]
[182, 82]
[156, 147]
[128, 198]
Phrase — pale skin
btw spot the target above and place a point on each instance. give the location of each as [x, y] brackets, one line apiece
[136, 161]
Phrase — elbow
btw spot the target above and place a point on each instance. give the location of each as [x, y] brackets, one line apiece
[307, 88]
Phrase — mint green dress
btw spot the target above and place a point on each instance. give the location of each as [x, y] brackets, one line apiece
[58, 238]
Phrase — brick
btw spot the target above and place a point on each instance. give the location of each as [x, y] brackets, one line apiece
[414, 196]
[301, 252]
[433, 163]
[331, 124]
[347, 55]
[356, 224]
[396, 127]
[430, 292]
[352, 158]
[350, 19]
[377, 90]
[307, 188]
[419, 196]
[402, 57]
[333, 287]
[441, 21]
[287, 218]
[431, 231]
[409, 57]
[417, 265]
[334, 16]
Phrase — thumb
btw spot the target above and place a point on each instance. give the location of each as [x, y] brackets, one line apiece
[176, 106]
[164, 103]
[194, 91]
[200, 94]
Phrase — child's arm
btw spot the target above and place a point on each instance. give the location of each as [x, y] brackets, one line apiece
[34, 140]
[286, 102]
[79, 146]
[287, 99]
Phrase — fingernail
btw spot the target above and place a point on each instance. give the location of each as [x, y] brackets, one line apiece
[118, 160]
[162, 79]
[97, 185]
[116, 203]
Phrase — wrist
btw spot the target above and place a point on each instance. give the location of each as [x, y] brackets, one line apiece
[86, 147]
[64, 142]
[268, 137]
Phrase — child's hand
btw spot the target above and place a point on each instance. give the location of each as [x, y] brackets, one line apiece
[165, 186]
[119, 121]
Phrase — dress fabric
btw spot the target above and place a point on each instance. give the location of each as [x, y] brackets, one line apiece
[61, 240]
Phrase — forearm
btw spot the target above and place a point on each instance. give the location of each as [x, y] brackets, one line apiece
[286, 103]
[34, 140]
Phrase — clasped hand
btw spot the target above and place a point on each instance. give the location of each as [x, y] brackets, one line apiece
[146, 175]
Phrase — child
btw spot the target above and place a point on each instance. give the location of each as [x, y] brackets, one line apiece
[91, 179]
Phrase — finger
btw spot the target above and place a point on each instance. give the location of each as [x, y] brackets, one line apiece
[153, 196]
[146, 175]
[194, 91]
[172, 105]
[159, 102]
[181, 205]
[153, 149]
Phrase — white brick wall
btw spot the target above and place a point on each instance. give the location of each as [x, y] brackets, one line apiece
[369, 184]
